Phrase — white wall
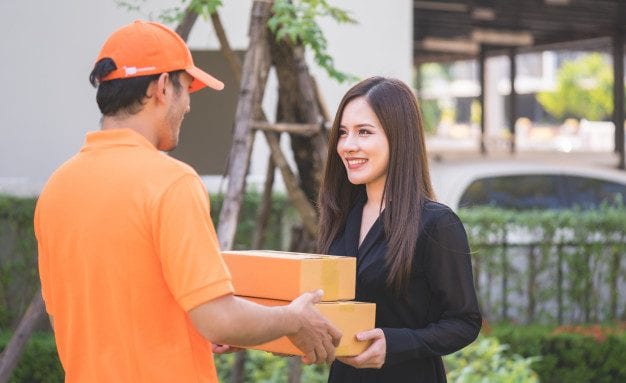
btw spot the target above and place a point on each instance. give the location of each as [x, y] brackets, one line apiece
[47, 50]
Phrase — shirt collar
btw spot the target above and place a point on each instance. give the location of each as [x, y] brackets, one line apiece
[115, 137]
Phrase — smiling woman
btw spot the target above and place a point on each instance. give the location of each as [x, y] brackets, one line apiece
[362, 145]
[376, 204]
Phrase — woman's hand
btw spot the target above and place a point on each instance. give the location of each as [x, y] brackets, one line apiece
[374, 356]
[224, 348]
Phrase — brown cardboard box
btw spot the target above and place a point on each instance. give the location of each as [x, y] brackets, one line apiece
[284, 275]
[350, 317]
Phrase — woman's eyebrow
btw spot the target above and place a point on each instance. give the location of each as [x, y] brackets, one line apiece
[361, 125]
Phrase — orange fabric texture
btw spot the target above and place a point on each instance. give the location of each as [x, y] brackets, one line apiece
[126, 248]
[143, 48]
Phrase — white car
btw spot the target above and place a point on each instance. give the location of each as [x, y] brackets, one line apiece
[524, 184]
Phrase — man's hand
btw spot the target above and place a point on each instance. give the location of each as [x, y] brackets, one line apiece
[316, 336]
[224, 348]
[374, 356]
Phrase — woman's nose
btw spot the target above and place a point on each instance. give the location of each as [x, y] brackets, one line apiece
[349, 143]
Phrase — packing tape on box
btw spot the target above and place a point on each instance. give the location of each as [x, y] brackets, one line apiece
[328, 279]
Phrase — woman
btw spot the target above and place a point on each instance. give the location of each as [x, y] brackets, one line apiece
[377, 204]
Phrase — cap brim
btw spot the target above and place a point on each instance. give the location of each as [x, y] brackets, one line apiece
[202, 79]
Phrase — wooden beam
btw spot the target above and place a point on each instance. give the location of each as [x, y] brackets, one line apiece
[321, 104]
[464, 46]
[458, 7]
[307, 130]
[11, 355]
[255, 70]
[263, 215]
[296, 195]
[233, 60]
[189, 19]
[502, 37]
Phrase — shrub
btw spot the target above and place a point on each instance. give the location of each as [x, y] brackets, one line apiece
[484, 361]
[39, 362]
[577, 356]
[18, 249]
[263, 367]
[18, 258]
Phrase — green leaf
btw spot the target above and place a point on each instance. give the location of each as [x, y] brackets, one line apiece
[297, 21]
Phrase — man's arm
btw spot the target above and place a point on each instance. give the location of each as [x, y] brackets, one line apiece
[232, 320]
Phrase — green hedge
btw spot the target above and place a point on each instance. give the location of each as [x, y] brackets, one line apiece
[18, 258]
[263, 367]
[548, 266]
[591, 253]
[281, 215]
[18, 247]
[575, 355]
[39, 362]
[485, 361]
[575, 269]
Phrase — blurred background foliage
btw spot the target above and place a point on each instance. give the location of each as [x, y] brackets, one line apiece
[587, 343]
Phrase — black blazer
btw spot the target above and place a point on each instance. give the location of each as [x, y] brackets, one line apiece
[440, 314]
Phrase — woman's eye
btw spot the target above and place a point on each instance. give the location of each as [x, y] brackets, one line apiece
[342, 132]
[364, 132]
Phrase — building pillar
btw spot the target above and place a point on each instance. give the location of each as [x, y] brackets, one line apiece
[512, 99]
[618, 95]
[481, 78]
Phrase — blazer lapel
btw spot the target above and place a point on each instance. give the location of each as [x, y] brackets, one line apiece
[352, 229]
[366, 253]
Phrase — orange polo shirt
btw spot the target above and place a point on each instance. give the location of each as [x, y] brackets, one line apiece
[126, 248]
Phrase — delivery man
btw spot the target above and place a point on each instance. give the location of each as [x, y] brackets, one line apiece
[130, 267]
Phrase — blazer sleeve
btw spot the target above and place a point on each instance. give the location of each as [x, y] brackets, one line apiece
[449, 272]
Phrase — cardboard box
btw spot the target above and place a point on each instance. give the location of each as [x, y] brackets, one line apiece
[284, 275]
[349, 317]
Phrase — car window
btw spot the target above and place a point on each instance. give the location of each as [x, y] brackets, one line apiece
[589, 193]
[516, 192]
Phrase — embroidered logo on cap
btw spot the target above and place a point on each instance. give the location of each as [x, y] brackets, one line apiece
[133, 70]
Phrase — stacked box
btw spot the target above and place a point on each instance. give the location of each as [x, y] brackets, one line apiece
[349, 316]
[274, 278]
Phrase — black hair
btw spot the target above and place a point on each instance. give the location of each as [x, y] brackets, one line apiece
[123, 95]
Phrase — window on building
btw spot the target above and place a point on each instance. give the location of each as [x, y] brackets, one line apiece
[206, 133]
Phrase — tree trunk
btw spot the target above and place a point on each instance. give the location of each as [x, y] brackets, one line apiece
[255, 70]
[13, 350]
[296, 195]
[298, 103]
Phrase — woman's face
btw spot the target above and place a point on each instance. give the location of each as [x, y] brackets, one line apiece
[362, 145]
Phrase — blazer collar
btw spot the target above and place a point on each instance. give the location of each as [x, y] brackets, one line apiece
[353, 226]
[352, 231]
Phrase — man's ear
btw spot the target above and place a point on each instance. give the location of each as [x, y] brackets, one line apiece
[160, 87]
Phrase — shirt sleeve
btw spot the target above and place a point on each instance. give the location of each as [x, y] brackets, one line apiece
[187, 245]
[449, 272]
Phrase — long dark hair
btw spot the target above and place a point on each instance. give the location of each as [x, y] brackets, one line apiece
[408, 180]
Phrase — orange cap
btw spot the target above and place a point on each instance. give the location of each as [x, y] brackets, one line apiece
[143, 48]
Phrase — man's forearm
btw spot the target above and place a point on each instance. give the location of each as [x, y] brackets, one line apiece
[235, 321]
